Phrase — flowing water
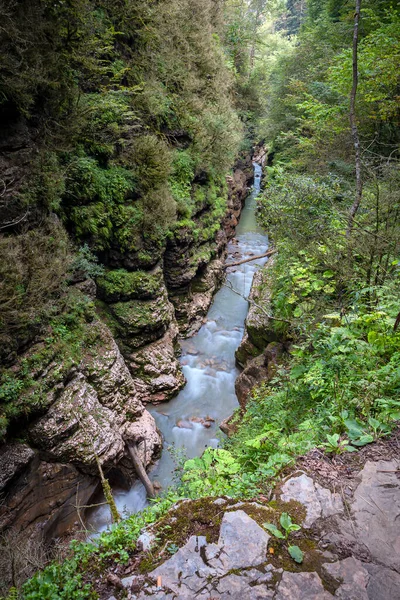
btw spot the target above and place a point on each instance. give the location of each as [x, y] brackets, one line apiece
[208, 362]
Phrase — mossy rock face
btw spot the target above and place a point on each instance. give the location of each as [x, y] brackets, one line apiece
[120, 285]
[246, 351]
[260, 328]
[138, 322]
[260, 334]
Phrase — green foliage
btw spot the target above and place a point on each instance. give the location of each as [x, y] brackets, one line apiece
[296, 554]
[67, 580]
[287, 525]
[216, 472]
[335, 445]
[181, 182]
[86, 263]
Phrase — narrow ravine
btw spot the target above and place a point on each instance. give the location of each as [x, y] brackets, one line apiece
[191, 420]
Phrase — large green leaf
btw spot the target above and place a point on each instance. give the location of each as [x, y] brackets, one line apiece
[296, 553]
[274, 530]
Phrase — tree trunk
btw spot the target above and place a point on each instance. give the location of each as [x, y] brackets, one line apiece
[353, 122]
[107, 492]
[140, 470]
[246, 260]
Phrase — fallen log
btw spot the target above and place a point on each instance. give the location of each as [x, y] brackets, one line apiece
[140, 470]
[246, 260]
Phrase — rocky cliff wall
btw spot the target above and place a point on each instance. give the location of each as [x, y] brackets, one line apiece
[91, 409]
[92, 402]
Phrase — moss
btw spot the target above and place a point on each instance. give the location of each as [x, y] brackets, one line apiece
[136, 316]
[121, 285]
[25, 388]
[295, 509]
[200, 517]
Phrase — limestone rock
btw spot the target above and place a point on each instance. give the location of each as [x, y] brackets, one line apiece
[156, 372]
[376, 510]
[238, 587]
[253, 374]
[199, 567]
[192, 305]
[146, 540]
[185, 572]
[91, 407]
[246, 351]
[93, 411]
[243, 541]
[318, 501]
[384, 584]
[301, 586]
[77, 425]
[144, 432]
[352, 576]
[258, 326]
[14, 458]
[139, 322]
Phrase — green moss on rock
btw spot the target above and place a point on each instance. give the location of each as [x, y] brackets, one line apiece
[121, 285]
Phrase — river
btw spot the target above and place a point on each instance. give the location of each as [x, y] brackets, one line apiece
[208, 362]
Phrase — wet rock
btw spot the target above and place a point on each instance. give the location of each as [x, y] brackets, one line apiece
[318, 501]
[229, 425]
[192, 305]
[183, 424]
[41, 501]
[246, 351]
[301, 586]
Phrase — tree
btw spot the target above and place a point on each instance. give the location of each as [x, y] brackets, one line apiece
[353, 121]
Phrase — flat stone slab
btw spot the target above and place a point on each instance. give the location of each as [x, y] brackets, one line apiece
[363, 581]
[376, 511]
[301, 586]
[243, 542]
[352, 576]
[237, 567]
[199, 568]
[318, 501]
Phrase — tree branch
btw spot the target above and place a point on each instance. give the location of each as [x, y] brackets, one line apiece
[246, 260]
[229, 285]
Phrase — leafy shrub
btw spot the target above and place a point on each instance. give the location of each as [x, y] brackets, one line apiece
[86, 263]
